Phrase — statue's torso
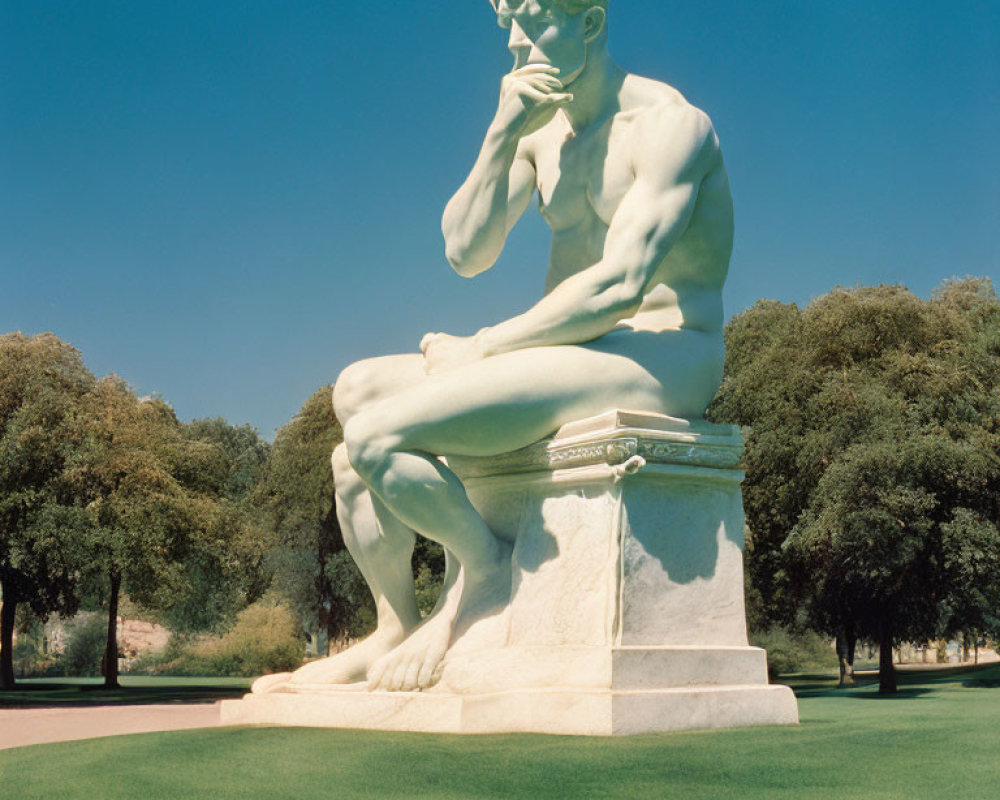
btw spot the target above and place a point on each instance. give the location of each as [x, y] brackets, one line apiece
[581, 181]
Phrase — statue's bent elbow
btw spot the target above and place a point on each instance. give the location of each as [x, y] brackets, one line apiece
[465, 261]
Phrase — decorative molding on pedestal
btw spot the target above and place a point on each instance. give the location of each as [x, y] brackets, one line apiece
[612, 439]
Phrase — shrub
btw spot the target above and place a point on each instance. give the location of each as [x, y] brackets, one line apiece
[264, 639]
[30, 658]
[428, 588]
[86, 638]
[792, 651]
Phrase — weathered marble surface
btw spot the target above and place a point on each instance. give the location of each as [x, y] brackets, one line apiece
[626, 612]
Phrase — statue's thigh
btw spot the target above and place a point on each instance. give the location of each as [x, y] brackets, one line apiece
[510, 400]
[366, 382]
[686, 366]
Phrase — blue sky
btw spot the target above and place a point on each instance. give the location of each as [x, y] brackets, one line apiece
[227, 202]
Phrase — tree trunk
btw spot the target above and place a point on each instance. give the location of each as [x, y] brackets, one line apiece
[7, 611]
[111, 648]
[846, 641]
[886, 669]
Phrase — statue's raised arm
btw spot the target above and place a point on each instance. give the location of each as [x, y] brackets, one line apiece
[478, 218]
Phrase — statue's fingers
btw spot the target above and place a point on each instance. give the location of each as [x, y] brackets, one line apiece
[544, 82]
[558, 98]
[535, 95]
[544, 87]
[533, 69]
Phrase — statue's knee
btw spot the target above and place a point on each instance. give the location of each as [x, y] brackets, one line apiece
[369, 447]
[352, 390]
[345, 479]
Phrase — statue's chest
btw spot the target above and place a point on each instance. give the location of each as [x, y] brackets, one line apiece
[583, 177]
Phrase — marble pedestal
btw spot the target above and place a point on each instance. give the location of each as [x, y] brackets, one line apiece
[626, 612]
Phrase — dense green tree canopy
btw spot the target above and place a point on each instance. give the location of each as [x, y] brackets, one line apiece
[224, 570]
[243, 452]
[311, 566]
[873, 474]
[42, 380]
[148, 491]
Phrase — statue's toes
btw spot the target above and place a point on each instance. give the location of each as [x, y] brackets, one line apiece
[268, 683]
[377, 673]
[430, 671]
[411, 676]
[396, 680]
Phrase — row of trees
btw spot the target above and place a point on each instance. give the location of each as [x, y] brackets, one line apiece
[103, 493]
[873, 463]
[872, 494]
[873, 473]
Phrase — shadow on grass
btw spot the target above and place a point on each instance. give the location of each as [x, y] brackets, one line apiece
[983, 672]
[982, 683]
[912, 683]
[899, 694]
[150, 691]
[823, 684]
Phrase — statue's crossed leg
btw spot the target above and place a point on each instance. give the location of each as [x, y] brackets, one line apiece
[395, 418]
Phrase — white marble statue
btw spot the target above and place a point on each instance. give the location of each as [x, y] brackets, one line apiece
[631, 180]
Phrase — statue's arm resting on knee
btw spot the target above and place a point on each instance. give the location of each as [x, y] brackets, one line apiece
[672, 157]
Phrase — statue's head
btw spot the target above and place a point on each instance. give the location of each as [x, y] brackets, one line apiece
[556, 32]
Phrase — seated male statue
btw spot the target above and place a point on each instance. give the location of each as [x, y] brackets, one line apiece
[632, 183]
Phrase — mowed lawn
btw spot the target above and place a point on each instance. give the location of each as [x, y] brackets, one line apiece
[940, 737]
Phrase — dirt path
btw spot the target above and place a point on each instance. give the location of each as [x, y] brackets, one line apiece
[23, 726]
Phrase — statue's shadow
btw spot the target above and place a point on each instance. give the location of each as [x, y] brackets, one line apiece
[685, 546]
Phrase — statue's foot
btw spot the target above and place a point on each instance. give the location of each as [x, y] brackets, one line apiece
[416, 663]
[269, 683]
[350, 666]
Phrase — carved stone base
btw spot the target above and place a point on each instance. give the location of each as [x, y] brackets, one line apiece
[556, 711]
[626, 612]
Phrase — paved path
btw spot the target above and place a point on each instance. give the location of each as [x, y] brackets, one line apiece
[24, 726]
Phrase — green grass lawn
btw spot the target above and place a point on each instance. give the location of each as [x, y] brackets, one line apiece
[135, 689]
[939, 737]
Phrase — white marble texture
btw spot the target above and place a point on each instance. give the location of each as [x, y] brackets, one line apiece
[593, 580]
[626, 606]
[631, 180]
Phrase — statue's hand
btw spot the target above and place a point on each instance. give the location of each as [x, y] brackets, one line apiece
[443, 352]
[529, 99]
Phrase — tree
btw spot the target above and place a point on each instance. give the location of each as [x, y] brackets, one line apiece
[225, 570]
[243, 451]
[42, 380]
[876, 541]
[148, 491]
[310, 565]
[872, 467]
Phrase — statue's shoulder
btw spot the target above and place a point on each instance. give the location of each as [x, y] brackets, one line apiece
[664, 116]
[658, 105]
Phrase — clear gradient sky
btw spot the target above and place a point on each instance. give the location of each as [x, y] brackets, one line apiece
[226, 202]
